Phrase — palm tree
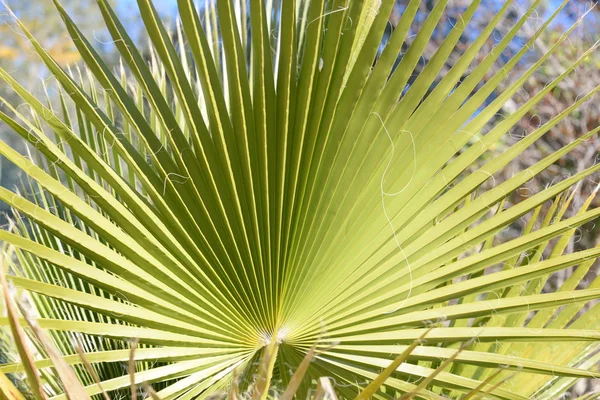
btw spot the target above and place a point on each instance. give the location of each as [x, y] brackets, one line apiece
[270, 183]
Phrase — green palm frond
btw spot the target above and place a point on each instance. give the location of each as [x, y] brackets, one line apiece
[269, 179]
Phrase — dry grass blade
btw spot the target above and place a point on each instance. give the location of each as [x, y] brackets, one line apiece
[20, 338]
[150, 391]
[589, 396]
[8, 391]
[319, 392]
[91, 370]
[374, 386]
[132, 368]
[497, 385]
[72, 386]
[267, 363]
[480, 387]
[234, 390]
[425, 382]
[324, 387]
[296, 380]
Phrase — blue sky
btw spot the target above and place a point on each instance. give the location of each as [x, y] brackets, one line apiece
[164, 7]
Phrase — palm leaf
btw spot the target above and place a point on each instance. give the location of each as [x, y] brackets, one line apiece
[273, 185]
